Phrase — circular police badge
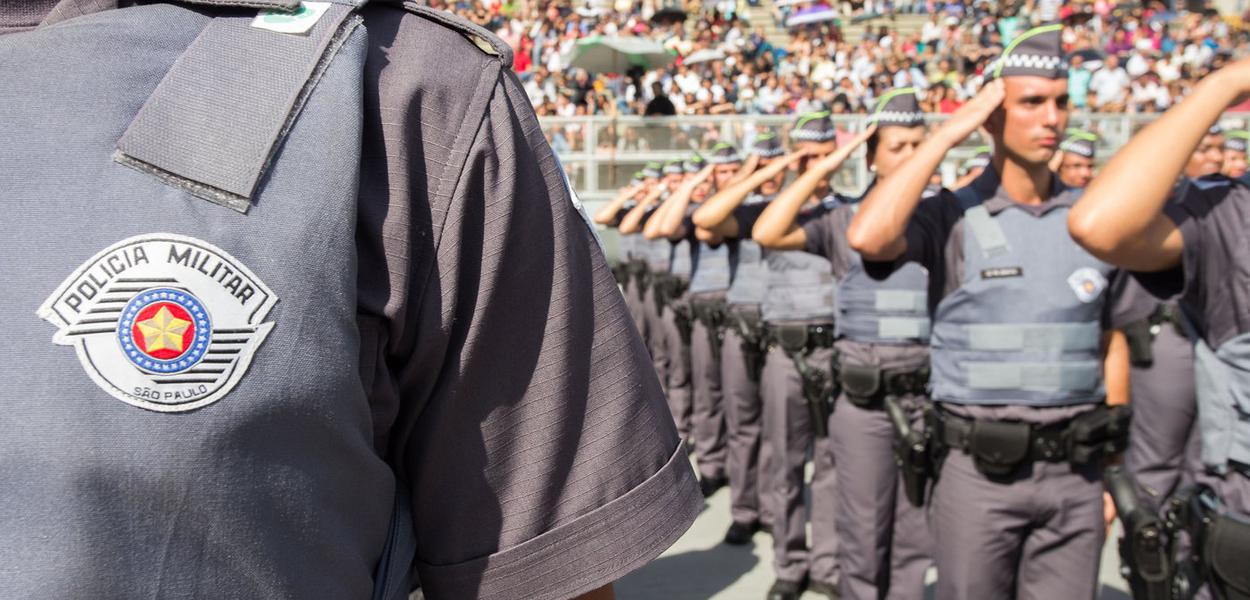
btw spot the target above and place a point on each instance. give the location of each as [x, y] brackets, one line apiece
[162, 321]
[1087, 283]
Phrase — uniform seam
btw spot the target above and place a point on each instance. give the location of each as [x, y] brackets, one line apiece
[448, 186]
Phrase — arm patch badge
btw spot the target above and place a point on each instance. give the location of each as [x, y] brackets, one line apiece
[161, 321]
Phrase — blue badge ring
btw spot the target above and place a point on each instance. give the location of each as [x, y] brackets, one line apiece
[189, 359]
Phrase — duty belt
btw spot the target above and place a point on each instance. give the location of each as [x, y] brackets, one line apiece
[999, 447]
[866, 386]
[710, 313]
[800, 338]
[798, 342]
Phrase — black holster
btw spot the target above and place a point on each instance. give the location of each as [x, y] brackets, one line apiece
[1146, 556]
[818, 387]
[711, 314]
[684, 320]
[754, 343]
[912, 454]
[1099, 433]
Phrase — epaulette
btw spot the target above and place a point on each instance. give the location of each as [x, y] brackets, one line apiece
[485, 41]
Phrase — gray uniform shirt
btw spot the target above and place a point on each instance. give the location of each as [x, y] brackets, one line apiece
[935, 239]
[1213, 215]
[506, 382]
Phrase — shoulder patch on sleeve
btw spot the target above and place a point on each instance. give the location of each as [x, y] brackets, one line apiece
[485, 41]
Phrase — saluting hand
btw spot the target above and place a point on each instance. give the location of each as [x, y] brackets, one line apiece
[835, 159]
[972, 115]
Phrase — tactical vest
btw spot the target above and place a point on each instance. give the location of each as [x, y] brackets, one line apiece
[184, 414]
[711, 269]
[1222, 383]
[892, 311]
[628, 247]
[800, 284]
[1024, 326]
[748, 271]
[656, 253]
[680, 262]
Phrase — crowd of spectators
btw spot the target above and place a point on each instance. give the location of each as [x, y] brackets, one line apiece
[1132, 57]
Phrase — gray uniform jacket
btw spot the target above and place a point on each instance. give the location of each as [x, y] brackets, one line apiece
[500, 379]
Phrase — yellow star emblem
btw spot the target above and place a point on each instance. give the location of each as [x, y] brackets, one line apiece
[163, 331]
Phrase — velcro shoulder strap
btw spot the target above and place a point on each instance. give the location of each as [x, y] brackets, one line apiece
[215, 121]
[986, 230]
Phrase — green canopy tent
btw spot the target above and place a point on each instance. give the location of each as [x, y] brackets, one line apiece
[612, 54]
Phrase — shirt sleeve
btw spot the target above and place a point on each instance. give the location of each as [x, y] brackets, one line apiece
[747, 215]
[819, 234]
[1186, 213]
[926, 235]
[541, 455]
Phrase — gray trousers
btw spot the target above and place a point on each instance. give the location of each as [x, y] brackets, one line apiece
[883, 541]
[745, 456]
[788, 429]
[1037, 536]
[633, 302]
[708, 417]
[1164, 448]
[671, 361]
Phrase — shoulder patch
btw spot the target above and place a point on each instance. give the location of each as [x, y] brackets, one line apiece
[485, 41]
[163, 322]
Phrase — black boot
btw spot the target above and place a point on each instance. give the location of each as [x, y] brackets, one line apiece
[740, 534]
[786, 590]
[709, 485]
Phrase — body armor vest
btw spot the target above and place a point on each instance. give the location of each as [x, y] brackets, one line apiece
[184, 402]
[680, 262]
[1024, 325]
[711, 269]
[892, 311]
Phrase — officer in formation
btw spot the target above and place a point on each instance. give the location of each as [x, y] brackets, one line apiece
[1075, 158]
[298, 304]
[708, 282]
[974, 166]
[1235, 146]
[667, 271]
[1188, 242]
[1019, 340]
[882, 363]
[742, 337]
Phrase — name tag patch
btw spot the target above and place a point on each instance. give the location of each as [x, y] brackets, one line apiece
[1001, 272]
[163, 322]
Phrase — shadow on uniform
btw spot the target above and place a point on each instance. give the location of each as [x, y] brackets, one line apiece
[694, 575]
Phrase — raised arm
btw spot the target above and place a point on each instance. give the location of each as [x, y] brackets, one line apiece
[716, 214]
[777, 226]
[1119, 217]
[877, 230]
[669, 223]
[607, 214]
[632, 223]
[748, 167]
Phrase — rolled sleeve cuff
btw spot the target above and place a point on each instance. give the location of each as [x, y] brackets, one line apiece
[586, 553]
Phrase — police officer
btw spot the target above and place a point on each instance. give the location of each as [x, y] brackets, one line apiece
[882, 356]
[708, 280]
[748, 459]
[300, 305]
[1190, 243]
[1235, 143]
[974, 166]
[1076, 158]
[631, 261]
[797, 387]
[1019, 314]
[664, 340]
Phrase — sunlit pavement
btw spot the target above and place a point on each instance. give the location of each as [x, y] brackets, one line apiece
[700, 567]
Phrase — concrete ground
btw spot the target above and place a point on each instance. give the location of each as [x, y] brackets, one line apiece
[700, 567]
